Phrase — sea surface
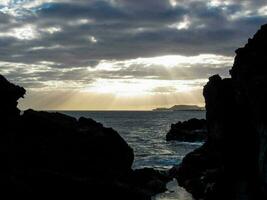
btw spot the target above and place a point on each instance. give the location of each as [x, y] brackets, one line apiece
[145, 132]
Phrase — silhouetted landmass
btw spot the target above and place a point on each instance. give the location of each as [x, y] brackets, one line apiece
[193, 130]
[232, 164]
[55, 155]
[180, 107]
[185, 107]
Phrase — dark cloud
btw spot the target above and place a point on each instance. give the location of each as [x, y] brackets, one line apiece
[123, 29]
[4, 19]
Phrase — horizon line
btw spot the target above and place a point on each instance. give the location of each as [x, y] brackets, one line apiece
[90, 110]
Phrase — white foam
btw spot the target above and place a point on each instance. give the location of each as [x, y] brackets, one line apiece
[174, 192]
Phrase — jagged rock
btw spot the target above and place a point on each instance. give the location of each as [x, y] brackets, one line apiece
[9, 114]
[249, 74]
[188, 131]
[232, 164]
[150, 181]
[10, 94]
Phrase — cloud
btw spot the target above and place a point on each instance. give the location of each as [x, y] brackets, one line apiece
[47, 75]
[52, 44]
[122, 29]
[168, 89]
[170, 67]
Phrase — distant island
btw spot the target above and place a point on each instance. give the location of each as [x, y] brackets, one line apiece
[180, 108]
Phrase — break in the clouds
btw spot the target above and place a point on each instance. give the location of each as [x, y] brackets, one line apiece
[135, 54]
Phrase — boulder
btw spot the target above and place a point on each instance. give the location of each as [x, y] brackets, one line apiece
[61, 143]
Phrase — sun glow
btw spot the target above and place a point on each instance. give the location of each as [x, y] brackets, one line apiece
[168, 61]
[142, 87]
[173, 3]
[135, 84]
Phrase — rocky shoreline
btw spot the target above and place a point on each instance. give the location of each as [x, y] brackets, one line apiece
[52, 154]
[232, 164]
[55, 155]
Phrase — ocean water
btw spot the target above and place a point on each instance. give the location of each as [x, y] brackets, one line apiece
[145, 132]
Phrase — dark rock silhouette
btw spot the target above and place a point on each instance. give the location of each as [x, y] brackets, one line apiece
[10, 94]
[55, 155]
[192, 130]
[9, 114]
[232, 164]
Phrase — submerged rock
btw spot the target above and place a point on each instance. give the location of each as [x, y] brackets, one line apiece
[193, 130]
[232, 162]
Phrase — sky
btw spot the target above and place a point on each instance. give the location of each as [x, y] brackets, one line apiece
[121, 54]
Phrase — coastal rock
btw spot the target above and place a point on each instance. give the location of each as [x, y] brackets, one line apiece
[149, 180]
[249, 74]
[9, 114]
[193, 130]
[55, 155]
[232, 164]
[10, 93]
[64, 144]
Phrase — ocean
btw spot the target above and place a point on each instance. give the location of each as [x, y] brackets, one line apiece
[145, 132]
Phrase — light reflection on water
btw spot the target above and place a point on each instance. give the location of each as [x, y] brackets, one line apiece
[174, 193]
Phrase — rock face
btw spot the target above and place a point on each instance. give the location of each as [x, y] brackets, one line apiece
[192, 130]
[10, 94]
[52, 154]
[9, 114]
[232, 164]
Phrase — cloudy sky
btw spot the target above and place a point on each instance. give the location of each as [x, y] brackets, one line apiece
[121, 54]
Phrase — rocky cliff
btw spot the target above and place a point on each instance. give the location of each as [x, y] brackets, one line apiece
[232, 164]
